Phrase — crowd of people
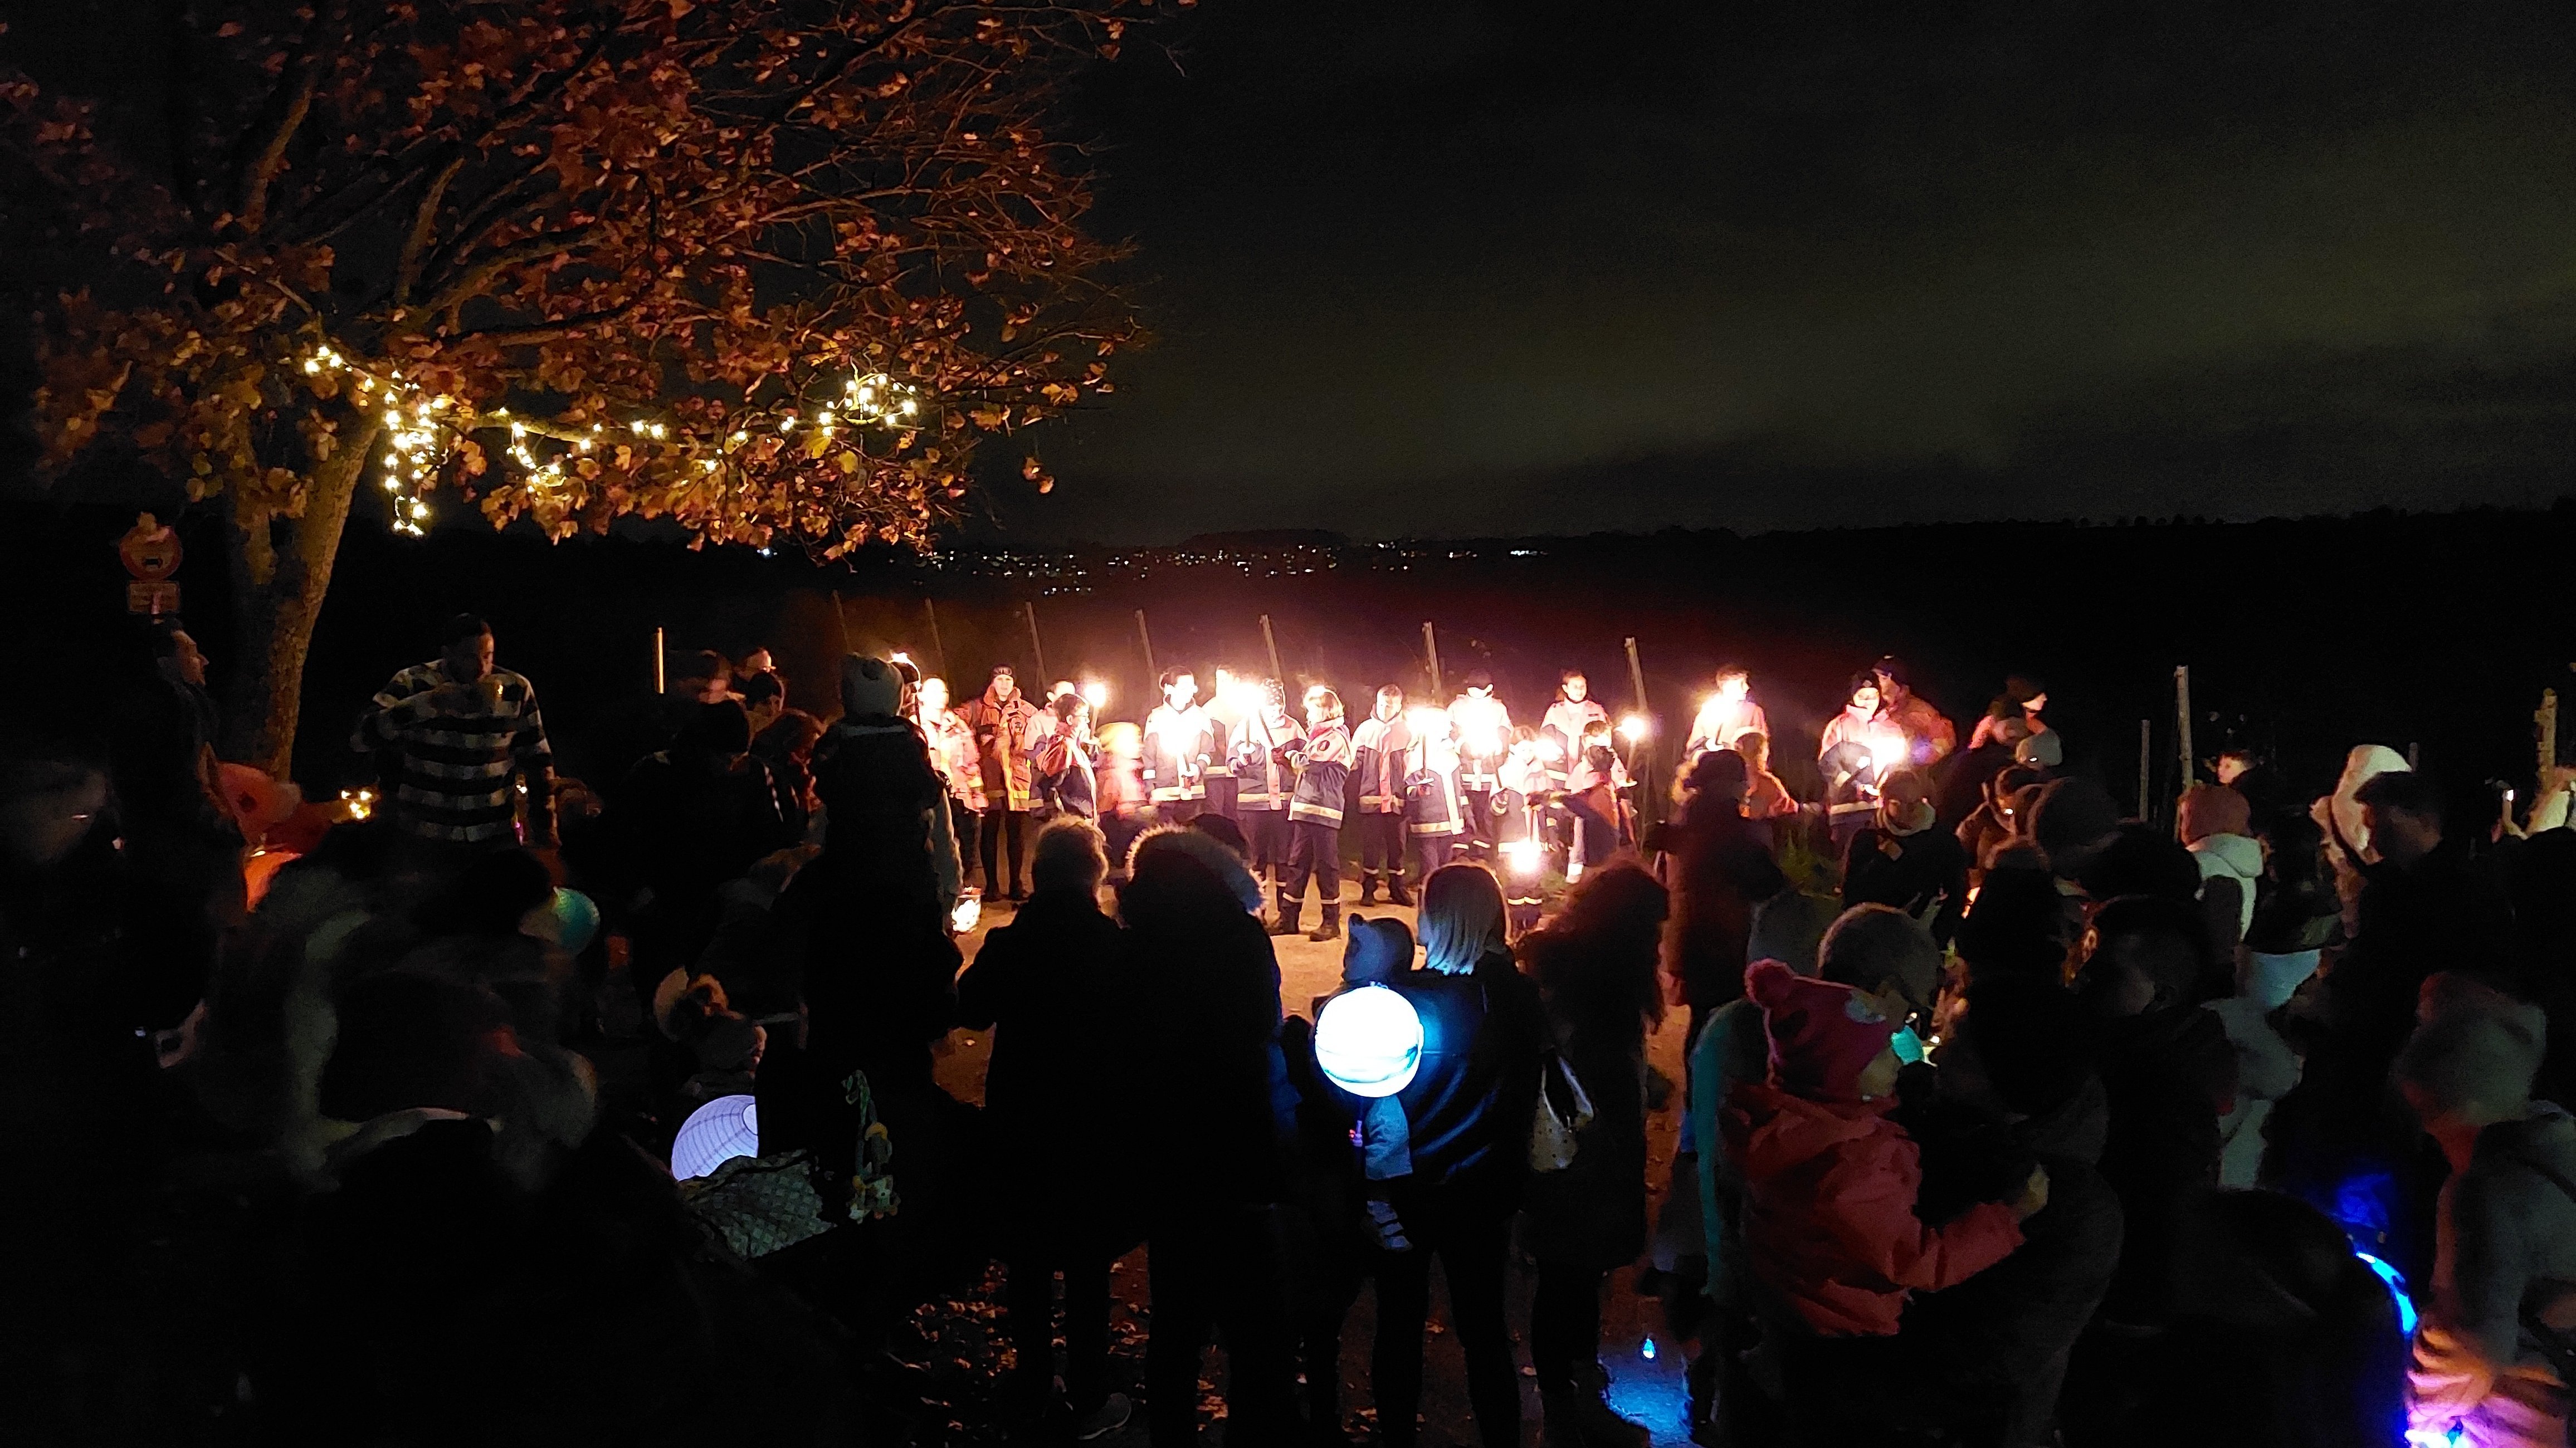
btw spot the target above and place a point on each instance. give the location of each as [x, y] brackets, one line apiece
[485, 1105]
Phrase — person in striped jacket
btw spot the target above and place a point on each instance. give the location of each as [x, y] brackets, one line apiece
[1378, 750]
[451, 738]
[1315, 817]
[1264, 780]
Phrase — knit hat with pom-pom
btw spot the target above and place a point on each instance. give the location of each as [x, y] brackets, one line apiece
[1822, 1035]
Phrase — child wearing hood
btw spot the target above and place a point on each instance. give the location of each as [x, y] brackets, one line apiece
[1830, 1179]
[2217, 827]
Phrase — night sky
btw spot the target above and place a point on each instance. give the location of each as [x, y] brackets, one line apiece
[1473, 268]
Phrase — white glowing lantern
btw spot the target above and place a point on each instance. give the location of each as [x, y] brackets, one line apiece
[1369, 1041]
[1096, 694]
[1525, 858]
[970, 908]
[714, 1134]
[1633, 728]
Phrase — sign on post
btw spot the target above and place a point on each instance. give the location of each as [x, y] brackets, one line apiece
[150, 551]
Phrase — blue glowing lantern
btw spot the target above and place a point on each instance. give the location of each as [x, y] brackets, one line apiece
[1369, 1041]
[714, 1134]
[577, 920]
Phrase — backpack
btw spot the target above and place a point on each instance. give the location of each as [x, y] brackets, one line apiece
[1563, 1111]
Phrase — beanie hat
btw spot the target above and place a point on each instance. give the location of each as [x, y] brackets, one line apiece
[1380, 949]
[2072, 818]
[1822, 1035]
[870, 688]
[2214, 809]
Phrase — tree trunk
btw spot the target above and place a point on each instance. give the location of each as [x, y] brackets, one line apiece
[281, 568]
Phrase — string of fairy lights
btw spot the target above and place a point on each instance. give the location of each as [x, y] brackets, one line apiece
[423, 428]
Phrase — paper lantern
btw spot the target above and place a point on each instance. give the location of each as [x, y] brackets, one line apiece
[714, 1134]
[1369, 1041]
[577, 919]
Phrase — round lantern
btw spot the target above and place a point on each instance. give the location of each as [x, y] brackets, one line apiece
[1369, 1041]
[714, 1134]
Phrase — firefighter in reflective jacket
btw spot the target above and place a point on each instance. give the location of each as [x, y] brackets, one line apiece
[1378, 749]
[1264, 780]
[1315, 817]
[1178, 744]
[1434, 813]
[1484, 732]
[1569, 715]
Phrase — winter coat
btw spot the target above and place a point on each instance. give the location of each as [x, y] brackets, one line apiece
[1484, 735]
[1378, 749]
[2508, 1242]
[1923, 865]
[1592, 1213]
[1178, 745]
[689, 822]
[2231, 869]
[1052, 986]
[1718, 725]
[952, 753]
[1718, 871]
[1981, 834]
[1829, 1224]
[1468, 1106]
[1731, 1048]
[1265, 780]
[1207, 984]
[885, 810]
[1563, 726]
[1433, 806]
[1001, 731]
[1323, 761]
[2170, 1075]
[1929, 735]
[2265, 1071]
[1766, 798]
[1877, 733]
[1064, 763]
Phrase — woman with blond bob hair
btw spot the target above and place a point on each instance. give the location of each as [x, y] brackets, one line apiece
[1467, 1118]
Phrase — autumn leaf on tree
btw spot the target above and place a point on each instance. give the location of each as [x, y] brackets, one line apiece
[727, 262]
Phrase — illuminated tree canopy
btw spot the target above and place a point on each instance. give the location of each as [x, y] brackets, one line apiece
[771, 270]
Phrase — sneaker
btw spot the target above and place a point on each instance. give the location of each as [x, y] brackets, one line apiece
[1108, 1418]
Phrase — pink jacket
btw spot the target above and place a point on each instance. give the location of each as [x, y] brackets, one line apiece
[1829, 1220]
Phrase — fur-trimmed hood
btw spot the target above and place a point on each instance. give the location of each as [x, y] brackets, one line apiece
[1205, 851]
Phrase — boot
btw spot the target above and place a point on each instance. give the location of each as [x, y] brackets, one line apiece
[1330, 928]
[1579, 1416]
[1396, 894]
[1286, 924]
[1368, 887]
